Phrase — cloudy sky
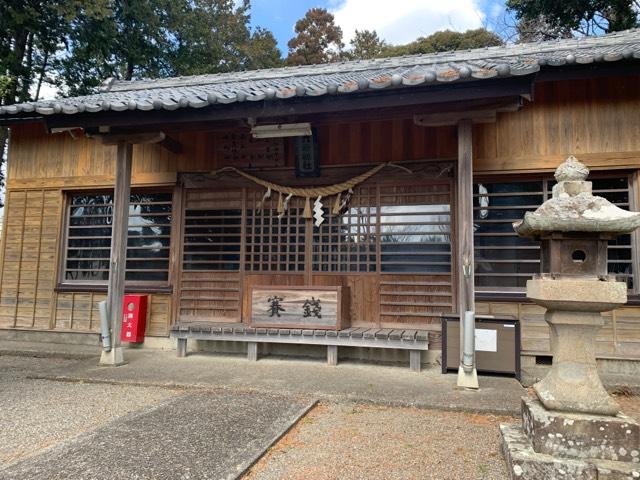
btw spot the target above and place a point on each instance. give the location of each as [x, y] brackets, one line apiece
[396, 21]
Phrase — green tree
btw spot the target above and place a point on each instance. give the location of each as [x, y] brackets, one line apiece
[159, 38]
[131, 41]
[366, 44]
[587, 17]
[318, 39]
[5, 85]
[30, 34]
[446, 40]
[261, 50]
[214, 36]
[210, 35]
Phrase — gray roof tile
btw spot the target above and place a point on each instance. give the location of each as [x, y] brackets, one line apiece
[340, 78]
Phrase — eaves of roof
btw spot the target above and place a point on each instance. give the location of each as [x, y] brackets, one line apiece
[341, 78]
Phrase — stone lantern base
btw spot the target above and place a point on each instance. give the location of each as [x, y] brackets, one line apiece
[574, 316]
[574, 429]
[570, 446]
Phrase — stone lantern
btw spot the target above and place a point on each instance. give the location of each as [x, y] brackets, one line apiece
[574, 429]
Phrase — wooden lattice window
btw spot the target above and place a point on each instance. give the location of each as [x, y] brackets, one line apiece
[274, 243]
[505, 261]
[347, 242]
[391, 247]
[415, 229]
[88, 237]
[393, 229]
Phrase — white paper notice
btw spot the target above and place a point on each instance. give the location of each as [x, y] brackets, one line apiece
[486, 340]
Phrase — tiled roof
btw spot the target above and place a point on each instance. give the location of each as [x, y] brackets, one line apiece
[341, 78]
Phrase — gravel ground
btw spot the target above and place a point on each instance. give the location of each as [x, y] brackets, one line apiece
[38, 414]
[353, 441]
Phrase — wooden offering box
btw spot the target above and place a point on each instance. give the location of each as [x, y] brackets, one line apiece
[319, 308]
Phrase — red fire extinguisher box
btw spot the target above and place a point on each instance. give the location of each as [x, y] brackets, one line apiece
[134, 318]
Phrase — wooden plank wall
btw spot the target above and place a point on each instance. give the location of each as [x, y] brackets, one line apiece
[78, 311]
[58, 160]
[597, 120]
[618, 338]
[30, 245]
[203, 295]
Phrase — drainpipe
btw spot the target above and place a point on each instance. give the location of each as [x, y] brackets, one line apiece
[469, 342]
[467, 373]
[105, 327]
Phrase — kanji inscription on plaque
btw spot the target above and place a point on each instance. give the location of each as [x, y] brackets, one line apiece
[297, 307]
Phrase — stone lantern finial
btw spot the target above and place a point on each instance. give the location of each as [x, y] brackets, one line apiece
[571, 169]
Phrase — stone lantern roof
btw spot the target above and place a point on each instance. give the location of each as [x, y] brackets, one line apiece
[573, 208]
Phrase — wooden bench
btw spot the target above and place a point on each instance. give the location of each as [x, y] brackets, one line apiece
[416, 341]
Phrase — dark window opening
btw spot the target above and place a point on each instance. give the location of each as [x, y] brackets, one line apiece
[88, 237]
[212, 239]
[503, 260]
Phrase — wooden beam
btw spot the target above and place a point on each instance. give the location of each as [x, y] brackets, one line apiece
[118, 257]
[171, 145]
[347, 116]
[132, 138]
[447, 119]
[468, 111]
[396, 97]
[162, 138]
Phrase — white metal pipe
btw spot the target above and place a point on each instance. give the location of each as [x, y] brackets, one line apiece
[105, 326]
[469, 341]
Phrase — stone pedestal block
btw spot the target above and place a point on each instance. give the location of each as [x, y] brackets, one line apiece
[554, 445]
[581, 436]
[524, 463]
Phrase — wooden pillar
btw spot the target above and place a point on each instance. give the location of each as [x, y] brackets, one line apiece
[634, 206]
[118, 259]
[415, 360]
[464, 251]
[332, 355]
[252, 351]
[181, 347]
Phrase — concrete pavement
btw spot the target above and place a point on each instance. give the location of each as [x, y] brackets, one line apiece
[59, 430]
[201, 435]
[384, 385]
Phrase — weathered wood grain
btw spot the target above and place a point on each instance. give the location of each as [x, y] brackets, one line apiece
[119, 231]
[312, 307]
[30, 243]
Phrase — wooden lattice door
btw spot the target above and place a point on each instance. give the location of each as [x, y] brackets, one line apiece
[392, 246]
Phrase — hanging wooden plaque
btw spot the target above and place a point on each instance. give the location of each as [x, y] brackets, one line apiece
[241, 150]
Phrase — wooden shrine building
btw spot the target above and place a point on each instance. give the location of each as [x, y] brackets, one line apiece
[465, 142]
